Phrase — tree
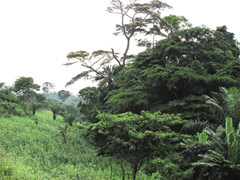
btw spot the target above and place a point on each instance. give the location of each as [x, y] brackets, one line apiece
[10, 103]
[94, 63]
[164, 28]
[56, 108]
[47, 86]
[24, 87]
[26, 90]
[62, 131]
[37, 101]
[90, 103]
[69, 118]
[133, 138]
[173, 76]
[63, 95]
[136, 19]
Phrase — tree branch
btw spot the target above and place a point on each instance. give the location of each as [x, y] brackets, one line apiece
[115, 57]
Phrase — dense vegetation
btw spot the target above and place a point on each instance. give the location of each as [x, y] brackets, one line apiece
[169, 112]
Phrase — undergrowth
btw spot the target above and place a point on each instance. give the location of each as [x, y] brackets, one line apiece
[32, 148]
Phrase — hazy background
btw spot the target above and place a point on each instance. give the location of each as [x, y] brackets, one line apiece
[36, 35]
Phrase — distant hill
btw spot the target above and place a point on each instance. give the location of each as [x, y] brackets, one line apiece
[71, 100]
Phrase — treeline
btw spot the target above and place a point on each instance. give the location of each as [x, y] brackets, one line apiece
[24, 98]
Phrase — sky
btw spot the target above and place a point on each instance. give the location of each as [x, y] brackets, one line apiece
[36, 35]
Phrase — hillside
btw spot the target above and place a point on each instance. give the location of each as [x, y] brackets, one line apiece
[33, 149]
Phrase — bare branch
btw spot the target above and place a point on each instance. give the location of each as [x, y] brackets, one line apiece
[115, 57]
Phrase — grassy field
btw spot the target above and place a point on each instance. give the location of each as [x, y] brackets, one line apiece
[33, 148]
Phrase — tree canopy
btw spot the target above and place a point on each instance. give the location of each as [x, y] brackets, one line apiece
[173, 76]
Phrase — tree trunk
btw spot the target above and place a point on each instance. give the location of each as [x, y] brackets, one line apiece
[134, 173]
[54, 116]
[70, 122]
[122, 168]
[34, 110]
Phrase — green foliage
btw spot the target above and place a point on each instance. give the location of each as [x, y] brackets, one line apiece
[89, 104]
[63, 95]
[56, 108]
[72, 100]
[69, 118]
[94, 63]
[131, 94]
[37, 101]
[224, 155]
[9, 108]
[24, 87]
[194, 127]
[173, 76]
[169, 168]
[6, 172]
[136, 138]
[191, 107]
[225, 103]
[10, 105]
[29, 151]
[202, 137]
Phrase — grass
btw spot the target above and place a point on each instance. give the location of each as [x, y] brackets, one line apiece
[31, 148]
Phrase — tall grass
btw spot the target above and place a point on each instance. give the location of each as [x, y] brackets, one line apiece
[34, 149]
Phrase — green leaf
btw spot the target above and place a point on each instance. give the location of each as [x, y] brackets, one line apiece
[235, 151]
[229, 129]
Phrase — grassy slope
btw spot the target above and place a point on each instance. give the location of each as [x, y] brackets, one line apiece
[30, 146]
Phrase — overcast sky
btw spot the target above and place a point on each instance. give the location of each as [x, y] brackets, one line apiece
[36, 35]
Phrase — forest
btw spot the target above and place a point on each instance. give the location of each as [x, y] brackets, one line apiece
[170, 112]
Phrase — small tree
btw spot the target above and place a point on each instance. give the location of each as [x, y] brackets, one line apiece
[62, 131]
[69, 118]
[56, 108]
[133, 138]
[37, 101]
[24, 87]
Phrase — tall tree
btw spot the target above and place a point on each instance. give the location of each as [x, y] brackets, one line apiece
[94, 63]
[173, 76]
[135, 18]
[63, 95]
[47, 87]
